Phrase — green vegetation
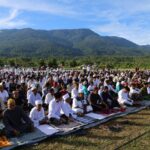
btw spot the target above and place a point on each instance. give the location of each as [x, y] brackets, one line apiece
[77, 62]
[75, 42]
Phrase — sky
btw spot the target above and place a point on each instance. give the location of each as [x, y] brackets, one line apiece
[129, 19]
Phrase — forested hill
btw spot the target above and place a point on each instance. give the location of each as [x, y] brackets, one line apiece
[69, 42]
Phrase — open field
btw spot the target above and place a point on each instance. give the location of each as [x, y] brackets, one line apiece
[115, 134]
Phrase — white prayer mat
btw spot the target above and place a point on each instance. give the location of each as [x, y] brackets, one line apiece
[48, 130]
[96, 116]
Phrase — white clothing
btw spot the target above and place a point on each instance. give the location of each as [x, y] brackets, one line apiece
[48, 98]
[134, 91]
[77, 106]
[74, 93]
[33, 97]
[36, 115]
[54, 110]
[123, 98]
[68, 110]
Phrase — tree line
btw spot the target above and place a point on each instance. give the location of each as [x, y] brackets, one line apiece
[111, 62]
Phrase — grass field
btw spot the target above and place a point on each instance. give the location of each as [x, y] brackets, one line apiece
[131, 132]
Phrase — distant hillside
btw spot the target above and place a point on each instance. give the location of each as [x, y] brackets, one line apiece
[70, 42]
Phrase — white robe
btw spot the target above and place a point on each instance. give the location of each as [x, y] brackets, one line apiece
[32, 98]
[123, 98]
[55, 108]
[68, 110]
[74, 93]
[77, 106]
[48, 98]
[36, 115]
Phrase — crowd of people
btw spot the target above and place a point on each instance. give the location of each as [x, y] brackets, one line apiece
[29, 98]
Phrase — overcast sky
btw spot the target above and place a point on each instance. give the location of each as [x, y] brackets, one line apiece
[125, 18]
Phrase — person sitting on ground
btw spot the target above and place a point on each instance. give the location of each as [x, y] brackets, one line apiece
[109, 102]
[96, 101]
[123, 97]
[33, 97]
[17, 98]
[15, 120]
[144, 90]
[54, 111]
[134, 93]
[49, 97]
[74, 91]
[80, 104]
[67, 107]
[37, 114]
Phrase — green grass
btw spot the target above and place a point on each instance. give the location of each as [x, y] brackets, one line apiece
[107, 136]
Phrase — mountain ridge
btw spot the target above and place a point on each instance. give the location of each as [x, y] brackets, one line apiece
[29, 42]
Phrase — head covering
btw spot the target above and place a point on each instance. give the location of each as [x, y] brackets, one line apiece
[66, 96]
[38, 102]
[11, 101]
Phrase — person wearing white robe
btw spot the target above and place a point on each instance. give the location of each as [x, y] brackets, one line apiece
[54, 110]
[74, 91]
[80, 105]
[67, 108]
[37, 114]
[123, 97]
[33, 97]
[49, 96]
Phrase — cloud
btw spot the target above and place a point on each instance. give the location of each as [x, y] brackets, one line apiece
[38, 5]
[133, 32]
[10, 22]
[128, 19]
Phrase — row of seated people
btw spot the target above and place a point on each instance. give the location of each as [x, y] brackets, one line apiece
[61, 109]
